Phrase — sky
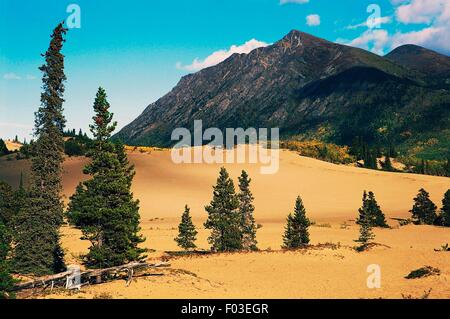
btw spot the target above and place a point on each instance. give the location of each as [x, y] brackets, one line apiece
[139, 49]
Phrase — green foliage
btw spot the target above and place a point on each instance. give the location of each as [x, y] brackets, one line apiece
[423, 210]
[370, 207]
[6, 281]
[296, 232]
[103, 206]
[37, 246]
[186, 231]
[365, 226]
[246, 210]
[387, 164]
[316, 149]
[3, 149]
[224, 219]
[7, 209]
[445, 211]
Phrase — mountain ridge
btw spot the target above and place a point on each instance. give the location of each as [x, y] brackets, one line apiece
[267, 86]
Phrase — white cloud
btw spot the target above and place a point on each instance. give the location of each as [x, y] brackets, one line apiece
[313, 20]
[376, 22]
[374, 40]
[221, 55]
[420, 11]
[293, 1]
[434, 35]
[435, 13]
[11, 76]
[31, 77]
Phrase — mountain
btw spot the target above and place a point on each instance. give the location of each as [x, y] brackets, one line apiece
[307, 86]
[420, 59]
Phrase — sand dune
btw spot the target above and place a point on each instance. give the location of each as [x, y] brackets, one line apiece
[330, 192]
[332, 195]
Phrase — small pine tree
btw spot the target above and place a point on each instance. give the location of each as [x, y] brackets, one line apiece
[186, 231]
[423, 210]
[370, 206]
[387, 165]
[6, 280]
[296, 232]
[246, 209]
[223, 216]
[445, 211]
[103, 206]
[365, 231]
[3, 149]
[288, 233]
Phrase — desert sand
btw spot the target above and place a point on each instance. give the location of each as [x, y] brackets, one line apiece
[331, 194]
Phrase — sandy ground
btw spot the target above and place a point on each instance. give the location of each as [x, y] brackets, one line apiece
[332, 195]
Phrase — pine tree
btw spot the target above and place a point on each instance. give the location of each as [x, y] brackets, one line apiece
[246, 209]
[288, 233]
[370, 206]
[365, 230]
[387, 165]
[6, 204]
[6, 281]
[37, 246]
[3, 149]
[424, 210]
[445, 211]
[224, 219]
[103, 206]
[186, 231]
[296, 231]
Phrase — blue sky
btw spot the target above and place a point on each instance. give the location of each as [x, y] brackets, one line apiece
[138, 50]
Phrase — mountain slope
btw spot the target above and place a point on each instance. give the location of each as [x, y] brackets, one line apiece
[301, 84]
[420, 59]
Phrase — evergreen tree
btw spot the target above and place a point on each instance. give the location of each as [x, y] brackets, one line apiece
[370, 206]
[296, 231]
[6, 203]
[387, 165]
[224, 219]
[447, 167]
[6, 281]
[103, 206]
[186, 231]
[3, 149]
[445, 211]
[365, 230]
[424, 210]
[246, 209]
[37, 246]
[288, 233]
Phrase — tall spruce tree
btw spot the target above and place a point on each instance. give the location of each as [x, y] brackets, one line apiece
[445, 211]
[246, 209]
[224, 219]
[6, 280]
[103, 206]
[370, 207]
[186, 231]
[423, 210]
[37, 239]
[296, 232]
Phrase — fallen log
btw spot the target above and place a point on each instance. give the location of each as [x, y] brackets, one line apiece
[87, 275]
